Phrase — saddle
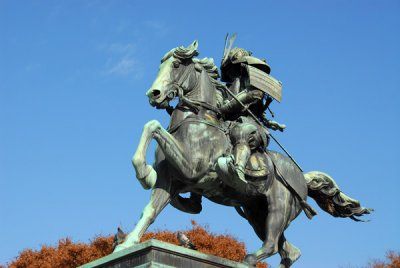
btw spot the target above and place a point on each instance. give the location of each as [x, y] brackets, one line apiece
[259, 165]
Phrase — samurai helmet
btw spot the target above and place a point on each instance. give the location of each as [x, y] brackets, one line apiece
[237, 53]
[231, 65]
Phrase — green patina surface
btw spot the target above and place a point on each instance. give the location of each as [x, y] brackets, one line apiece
[216, 147]
[199, 259]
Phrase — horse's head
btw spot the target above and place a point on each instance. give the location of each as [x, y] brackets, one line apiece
[173, 75]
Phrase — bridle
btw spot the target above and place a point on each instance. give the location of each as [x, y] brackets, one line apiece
[194, 105]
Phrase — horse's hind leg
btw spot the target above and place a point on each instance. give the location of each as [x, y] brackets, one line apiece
[279, 211]
[159, 199]
[289, 253]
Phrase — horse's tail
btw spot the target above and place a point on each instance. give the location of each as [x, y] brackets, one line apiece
[324, 190]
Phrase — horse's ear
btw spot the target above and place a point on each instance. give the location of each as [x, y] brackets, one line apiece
[194, 45]
[187, 53]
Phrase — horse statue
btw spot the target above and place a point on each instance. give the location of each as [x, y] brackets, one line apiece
[187, 156]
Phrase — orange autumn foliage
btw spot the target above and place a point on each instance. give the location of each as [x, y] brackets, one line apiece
[392, 262]
[65, 254]
[70, 255]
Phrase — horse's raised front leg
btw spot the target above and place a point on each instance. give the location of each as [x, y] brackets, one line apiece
[145, 173]
[171, 148]
[160, 197]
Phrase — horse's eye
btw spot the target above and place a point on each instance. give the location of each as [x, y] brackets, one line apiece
[176, 64]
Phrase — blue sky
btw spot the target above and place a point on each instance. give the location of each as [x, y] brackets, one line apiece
[72, 100]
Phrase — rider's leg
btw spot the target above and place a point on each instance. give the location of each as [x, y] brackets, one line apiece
[242, 135]
[241, 154]
[231, 170]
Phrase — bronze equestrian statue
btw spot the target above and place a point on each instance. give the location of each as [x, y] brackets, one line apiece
[199, 137]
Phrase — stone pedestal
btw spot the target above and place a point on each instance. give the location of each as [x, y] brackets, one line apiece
[154, 253]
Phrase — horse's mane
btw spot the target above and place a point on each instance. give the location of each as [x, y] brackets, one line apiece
[211, 69]
[183, 53]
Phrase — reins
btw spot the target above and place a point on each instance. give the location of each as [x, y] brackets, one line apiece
[196, 120]
[194, 105]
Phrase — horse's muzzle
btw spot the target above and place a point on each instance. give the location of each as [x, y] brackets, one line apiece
[153, 94]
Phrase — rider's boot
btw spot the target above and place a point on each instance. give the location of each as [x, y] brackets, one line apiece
[225, 168]
[241, 155]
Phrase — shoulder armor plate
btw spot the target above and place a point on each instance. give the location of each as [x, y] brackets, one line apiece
[264, 82]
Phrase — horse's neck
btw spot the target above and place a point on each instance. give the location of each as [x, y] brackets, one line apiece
[204, 90]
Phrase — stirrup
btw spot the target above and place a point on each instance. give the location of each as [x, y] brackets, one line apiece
[238, 171]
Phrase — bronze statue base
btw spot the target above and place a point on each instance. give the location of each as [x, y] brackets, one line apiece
[154, 253]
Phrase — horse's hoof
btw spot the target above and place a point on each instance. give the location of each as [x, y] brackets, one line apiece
[119, 248]
[250, 260]
[294, 255]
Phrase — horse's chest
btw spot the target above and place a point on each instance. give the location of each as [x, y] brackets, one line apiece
[201, 141]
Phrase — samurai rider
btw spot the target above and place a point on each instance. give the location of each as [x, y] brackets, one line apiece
[253, 90]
